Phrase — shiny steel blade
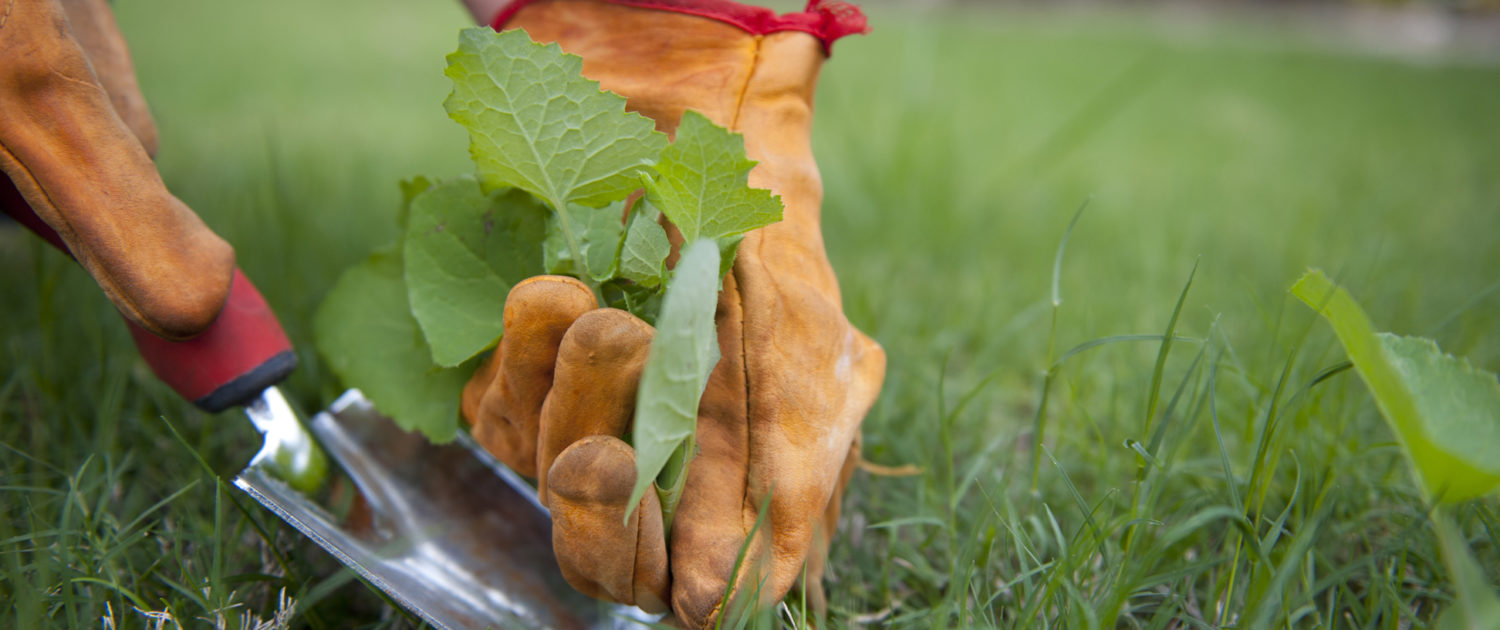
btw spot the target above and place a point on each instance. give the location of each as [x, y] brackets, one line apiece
[450, 533]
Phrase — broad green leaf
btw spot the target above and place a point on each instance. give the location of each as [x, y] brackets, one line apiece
[1445, 412]
[701, 183]
[640, 301]
[464, 250]
[1458, 403]
[682, 355]
[644, 302]
[364, 329]
[410, 188]
[556, 258]
[643, 257]
[537, 124]
[604, 229]
[729, 246]
[599, 232]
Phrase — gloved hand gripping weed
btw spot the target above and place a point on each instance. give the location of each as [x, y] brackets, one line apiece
[784, 379]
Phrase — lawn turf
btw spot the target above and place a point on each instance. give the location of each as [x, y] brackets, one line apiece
[955, 148]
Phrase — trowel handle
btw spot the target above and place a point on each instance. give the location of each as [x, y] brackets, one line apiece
[242, 352]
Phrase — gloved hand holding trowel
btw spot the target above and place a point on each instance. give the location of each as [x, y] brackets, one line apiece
[780, 418]
[76, 140]
[779, 421]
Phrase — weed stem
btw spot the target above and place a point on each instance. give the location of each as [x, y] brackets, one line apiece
[579, 264]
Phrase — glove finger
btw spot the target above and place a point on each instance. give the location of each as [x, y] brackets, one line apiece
[85, 174]
[593, 390]
[538, 312]
[601, 553]
[471, 402]
[96, 31]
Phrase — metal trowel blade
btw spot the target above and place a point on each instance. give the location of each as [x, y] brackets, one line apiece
[450, 533]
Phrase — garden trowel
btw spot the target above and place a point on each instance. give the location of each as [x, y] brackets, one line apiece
[445, 530]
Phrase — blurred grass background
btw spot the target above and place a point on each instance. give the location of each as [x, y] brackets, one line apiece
[955, 145]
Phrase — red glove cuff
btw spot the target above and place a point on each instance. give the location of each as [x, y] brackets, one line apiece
[827, 20]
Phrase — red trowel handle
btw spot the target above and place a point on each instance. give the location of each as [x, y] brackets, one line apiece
[241, 354]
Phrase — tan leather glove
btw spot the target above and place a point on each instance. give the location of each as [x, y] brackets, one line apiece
[780, 418]
[76, 140]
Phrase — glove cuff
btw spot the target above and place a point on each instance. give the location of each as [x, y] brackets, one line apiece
[827, 20]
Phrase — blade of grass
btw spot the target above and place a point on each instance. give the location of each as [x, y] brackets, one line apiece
[1154, 390]
[1039, 424]
[739, 559]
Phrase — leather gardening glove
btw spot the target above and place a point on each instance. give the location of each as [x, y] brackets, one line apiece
[76, 140]
[780, 417]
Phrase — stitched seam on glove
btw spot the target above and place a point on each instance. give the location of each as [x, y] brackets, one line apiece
[739, 97]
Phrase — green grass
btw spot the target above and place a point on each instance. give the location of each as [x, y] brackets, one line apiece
[1226, 480]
